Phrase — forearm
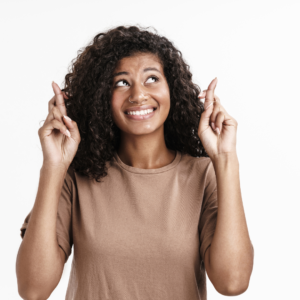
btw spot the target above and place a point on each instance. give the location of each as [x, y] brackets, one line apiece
[38, 265]
[231, 253]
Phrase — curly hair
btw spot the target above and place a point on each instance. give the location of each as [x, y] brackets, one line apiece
[89, 88]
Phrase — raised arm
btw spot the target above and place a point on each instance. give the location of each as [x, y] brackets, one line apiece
[229, 259]
[40, 259]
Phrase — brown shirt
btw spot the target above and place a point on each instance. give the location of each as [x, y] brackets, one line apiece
[139, 234]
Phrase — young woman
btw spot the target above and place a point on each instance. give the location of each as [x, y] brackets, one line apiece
[140, 177]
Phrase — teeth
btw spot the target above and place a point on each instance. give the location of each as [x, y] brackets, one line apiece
[141, 112]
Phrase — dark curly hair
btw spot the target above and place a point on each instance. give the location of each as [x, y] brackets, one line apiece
[89, 87]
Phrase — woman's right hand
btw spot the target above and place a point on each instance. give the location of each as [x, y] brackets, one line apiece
[59, 136]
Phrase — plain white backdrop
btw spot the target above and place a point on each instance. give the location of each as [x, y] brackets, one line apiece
[253, 49]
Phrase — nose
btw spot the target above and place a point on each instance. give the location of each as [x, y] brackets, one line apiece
[138, 94]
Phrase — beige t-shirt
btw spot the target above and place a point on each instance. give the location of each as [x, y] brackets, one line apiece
[140, 234]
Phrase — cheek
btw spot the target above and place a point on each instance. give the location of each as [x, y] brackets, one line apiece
[162, 94]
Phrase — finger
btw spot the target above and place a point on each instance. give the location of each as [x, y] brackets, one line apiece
[219, 120]
[56, 114]
[47, 129]
[217, 109]
[59, 98]
[73, 128]
[202, 94]
[213, 125]
[51, 104]
[217, 99]
[65, 94]
[209, 98]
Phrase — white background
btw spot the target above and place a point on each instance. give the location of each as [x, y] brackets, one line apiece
[253, 49]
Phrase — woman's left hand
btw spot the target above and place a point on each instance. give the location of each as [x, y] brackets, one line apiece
[215, 118]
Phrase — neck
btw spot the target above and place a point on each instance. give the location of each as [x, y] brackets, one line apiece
[147, 151]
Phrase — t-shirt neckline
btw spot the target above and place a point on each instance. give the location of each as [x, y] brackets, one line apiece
[148, 171]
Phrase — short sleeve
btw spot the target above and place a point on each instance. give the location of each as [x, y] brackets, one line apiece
[64, 216]
[209, 211]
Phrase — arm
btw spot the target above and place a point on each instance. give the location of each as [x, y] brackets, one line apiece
[40, 260]
[229, 259]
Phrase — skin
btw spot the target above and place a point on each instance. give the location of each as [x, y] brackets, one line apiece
[142, 142]
[229, 259]
[39, 251]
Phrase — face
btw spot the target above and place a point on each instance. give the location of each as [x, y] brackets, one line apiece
[141, 78]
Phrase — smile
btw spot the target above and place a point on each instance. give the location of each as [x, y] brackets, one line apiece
[141, 114]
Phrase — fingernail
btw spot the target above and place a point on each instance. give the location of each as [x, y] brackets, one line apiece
[218, 130]
[213, 125]
[66, 117]
[68, 133]
[209, 105]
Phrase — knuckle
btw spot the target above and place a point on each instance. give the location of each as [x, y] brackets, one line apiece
[217, 104]
[40, 131]
[54, 109]
[57, 113]
[54, 123]
[62, 104]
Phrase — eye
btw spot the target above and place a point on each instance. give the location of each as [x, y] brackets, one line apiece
[151, 77]
[121, 81]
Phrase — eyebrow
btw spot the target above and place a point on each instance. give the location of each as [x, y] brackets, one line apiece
[145, 70]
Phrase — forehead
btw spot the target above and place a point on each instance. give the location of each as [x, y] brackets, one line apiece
[139, 61]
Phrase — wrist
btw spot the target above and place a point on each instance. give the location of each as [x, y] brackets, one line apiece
[57, 168]
[224, 158]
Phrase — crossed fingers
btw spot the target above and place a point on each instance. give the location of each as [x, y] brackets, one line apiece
[56, 105]
[58, 100]
[219, 114]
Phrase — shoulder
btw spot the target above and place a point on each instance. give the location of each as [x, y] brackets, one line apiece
[202, 163]
[197, 167]
[70, 178]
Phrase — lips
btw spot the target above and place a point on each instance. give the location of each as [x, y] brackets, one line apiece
[140, 118]
[135, 108]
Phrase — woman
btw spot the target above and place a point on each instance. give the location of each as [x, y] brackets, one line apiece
[140, 176]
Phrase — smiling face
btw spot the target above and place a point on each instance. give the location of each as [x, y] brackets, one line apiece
[141, 78]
